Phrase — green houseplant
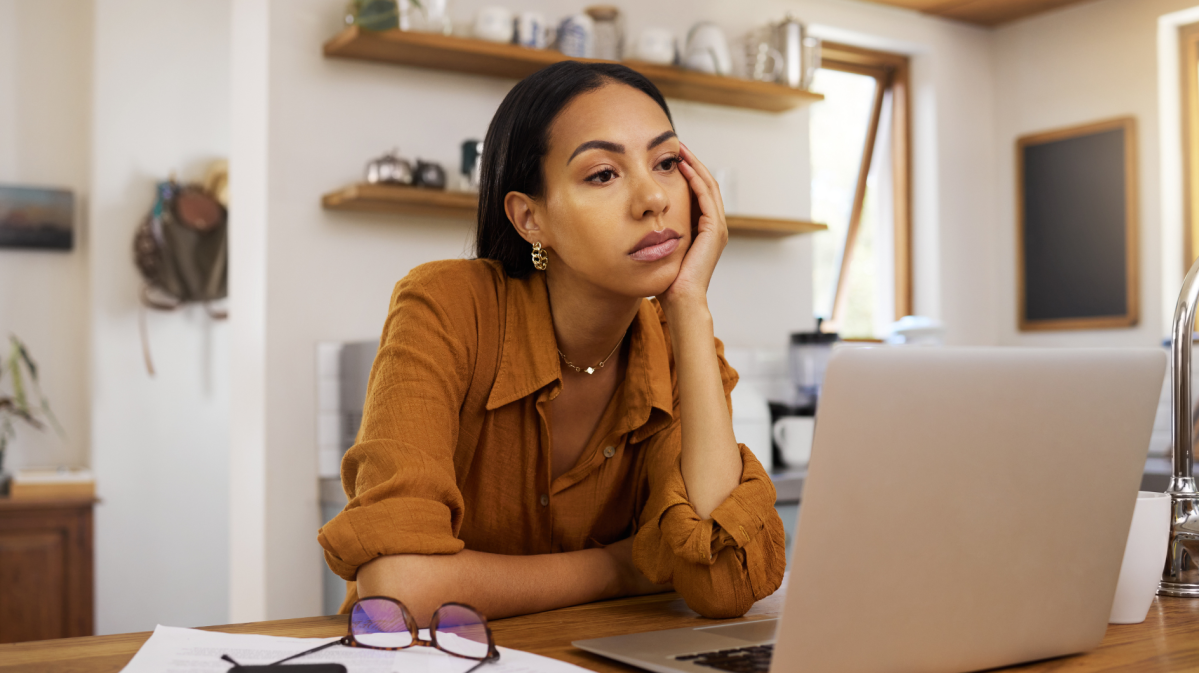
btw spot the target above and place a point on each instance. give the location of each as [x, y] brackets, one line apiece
[21, 399]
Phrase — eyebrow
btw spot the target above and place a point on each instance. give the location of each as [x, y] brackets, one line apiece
[661, 139]
[596, 145]
[616, 147]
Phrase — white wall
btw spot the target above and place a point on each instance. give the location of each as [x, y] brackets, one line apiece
[45, 86]
[160, 446]
[1085, 63]
[249, 105]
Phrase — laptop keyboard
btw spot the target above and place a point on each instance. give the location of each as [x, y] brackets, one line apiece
[754, 659]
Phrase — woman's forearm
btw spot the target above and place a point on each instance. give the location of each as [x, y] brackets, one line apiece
[711, 461]
[499, 585]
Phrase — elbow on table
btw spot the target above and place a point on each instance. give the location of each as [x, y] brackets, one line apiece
[714, 606]
[714, 591]
[416, 580]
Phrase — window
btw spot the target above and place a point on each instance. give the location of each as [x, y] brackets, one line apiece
[861, 187]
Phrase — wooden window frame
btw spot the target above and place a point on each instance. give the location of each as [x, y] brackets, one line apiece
[1188, 47]
[892, 73]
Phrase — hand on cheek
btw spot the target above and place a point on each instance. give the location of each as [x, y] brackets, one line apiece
[709, 235]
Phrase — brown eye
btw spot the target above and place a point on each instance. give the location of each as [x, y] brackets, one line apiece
[669, 164]
[603, 176]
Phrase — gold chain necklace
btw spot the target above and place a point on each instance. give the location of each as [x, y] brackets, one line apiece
[591, 370]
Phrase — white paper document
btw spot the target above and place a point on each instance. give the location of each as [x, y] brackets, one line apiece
[175, 650]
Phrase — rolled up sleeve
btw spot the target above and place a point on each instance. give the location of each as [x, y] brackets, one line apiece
[720, 565]
[399, 476]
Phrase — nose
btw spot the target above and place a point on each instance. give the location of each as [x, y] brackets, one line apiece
[649, 199]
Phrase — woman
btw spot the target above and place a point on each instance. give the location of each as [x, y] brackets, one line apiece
[536, 433]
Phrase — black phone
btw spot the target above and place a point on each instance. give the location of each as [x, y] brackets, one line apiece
[291, 668]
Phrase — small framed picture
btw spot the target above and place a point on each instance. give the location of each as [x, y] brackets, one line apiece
[35, 218]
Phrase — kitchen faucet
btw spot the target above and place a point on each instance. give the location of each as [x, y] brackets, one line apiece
[1181, 574]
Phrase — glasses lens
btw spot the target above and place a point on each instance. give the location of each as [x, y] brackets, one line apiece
[462, 631]
[377, 622]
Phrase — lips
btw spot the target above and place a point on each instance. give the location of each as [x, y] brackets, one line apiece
[655, 246]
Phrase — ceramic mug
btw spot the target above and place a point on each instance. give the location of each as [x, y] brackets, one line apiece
[1144, 558]
[793, 434]
[533, 31]
[576, 36]
[494, 24]
[656, 45]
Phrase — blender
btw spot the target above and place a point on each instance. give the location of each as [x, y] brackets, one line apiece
[808, 357]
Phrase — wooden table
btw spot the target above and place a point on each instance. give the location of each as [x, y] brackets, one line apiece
[1167, 641]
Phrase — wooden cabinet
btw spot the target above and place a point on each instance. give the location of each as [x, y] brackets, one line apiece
[46, 578]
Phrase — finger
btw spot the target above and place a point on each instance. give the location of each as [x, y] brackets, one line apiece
[702, 190]
[703, 193]
[705, 173]
[699, 167]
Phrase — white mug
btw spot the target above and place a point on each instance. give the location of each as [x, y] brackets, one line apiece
[793, 434]
[576, 36]
[533, 31]
[1144, 558]
[494, 24]
[656, 45]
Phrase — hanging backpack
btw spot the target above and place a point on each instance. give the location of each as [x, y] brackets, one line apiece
[181, 250]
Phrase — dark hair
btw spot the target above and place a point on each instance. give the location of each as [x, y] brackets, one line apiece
[518, 140]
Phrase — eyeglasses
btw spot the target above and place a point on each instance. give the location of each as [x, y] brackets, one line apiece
[382, 623]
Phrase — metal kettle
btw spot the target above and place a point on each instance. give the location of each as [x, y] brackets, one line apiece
[800, 53]
[389, 169]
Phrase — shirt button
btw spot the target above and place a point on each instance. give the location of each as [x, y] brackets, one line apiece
[609, 451]
[545, 500]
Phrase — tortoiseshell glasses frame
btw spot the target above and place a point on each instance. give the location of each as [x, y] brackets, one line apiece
[383, 623]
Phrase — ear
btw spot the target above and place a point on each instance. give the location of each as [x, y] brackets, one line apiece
[524, 213]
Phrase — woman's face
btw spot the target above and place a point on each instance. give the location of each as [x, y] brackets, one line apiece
[616, 212]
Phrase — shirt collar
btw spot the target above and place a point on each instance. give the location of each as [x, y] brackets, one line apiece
[529, 355]
[529, 358]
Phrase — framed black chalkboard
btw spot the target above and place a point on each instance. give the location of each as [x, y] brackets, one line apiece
[1076, 204]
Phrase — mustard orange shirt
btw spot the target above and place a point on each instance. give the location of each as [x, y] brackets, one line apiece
[454, 449]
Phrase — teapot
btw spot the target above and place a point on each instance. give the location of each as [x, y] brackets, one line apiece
[429, 174]
[389, 169]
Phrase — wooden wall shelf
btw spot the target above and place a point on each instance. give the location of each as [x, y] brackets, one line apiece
[769, 227]
[398, 200]
[443, 52]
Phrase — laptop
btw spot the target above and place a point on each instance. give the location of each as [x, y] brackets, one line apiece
[964, 509]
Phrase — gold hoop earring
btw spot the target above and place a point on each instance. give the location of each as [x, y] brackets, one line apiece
[540, 258]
